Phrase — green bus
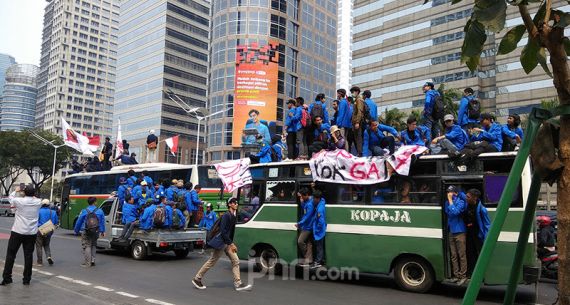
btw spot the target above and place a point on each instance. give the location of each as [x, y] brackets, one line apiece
[397, 226]
[78, 187]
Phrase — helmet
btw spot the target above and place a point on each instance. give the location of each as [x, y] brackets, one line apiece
[543, 221]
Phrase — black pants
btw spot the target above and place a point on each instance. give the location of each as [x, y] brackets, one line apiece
[291, 141]
[472, 150]
[193, 215]
[316, 147]
[509, 144]
[16, 240]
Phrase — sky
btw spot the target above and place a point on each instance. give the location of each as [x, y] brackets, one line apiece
[21, 24]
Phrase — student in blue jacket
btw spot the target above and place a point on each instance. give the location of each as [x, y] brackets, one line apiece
[178, 219]
[122, 190]
[148, 213]
[512, 133]
[43, 241]
[454, 209]
[371, 105]
[305, 225]
[486, 139]
[208, 219]
[375, 141]
[130, 218]
[90, 235]
[454, 138]
[429, 121]
[463, 119]
[319, 228]
[413, 135]
[292, 126]
[344, 117]
[477, 223]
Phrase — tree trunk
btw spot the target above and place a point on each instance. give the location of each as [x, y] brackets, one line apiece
[561, 73]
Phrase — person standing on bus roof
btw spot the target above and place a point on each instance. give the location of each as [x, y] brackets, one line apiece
[224, 242]
[477, 222]
[454, 208]
[305, 225]
[92, 227]
[319, 228]
[151, 145]
[292, 125]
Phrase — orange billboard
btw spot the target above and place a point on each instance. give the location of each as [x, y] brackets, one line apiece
[255, 100]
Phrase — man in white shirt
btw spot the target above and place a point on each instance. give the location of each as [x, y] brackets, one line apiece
[23, 233]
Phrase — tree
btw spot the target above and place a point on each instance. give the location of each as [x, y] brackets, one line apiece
[450, 96]
[395, 117]
[545, 33]
[9, 171]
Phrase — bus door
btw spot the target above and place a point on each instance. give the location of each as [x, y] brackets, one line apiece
[462, 185]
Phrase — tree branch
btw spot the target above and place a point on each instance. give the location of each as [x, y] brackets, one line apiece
[547, 15]
[529, 24]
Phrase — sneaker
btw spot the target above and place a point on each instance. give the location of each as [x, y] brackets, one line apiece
[92, 264]
[84, 265]
[304, 265]
[50, 261]
[243, 287]
[316, 265]
[39, 265]
[461, 281]
[6, 282]
[26, 282]
[198, 284]
[453, 280]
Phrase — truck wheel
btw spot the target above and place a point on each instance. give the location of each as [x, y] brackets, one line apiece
[182, 253]
[414, 274]
[138, 250]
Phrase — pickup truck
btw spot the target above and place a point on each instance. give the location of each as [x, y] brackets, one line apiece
[143, 243]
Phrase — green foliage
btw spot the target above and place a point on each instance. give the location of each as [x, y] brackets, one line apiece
[472, 47]
[529, 58]
[550, 104]
[395, 117]
[511, 39]
[491, 14]
[450, 96]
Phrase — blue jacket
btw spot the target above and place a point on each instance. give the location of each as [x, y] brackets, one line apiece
[320, 225]
[79, 225]
[293, 124]
[483, 221]
[278, 148]
[149, 181]
[454, 213]
[192, 200]
[417, 140]
[463, 113]
[170, 192]
[373, 109]
[121, 192]
[135, 191]
[344, 118]
[146, 218]
[140, 199]
[264, 154]
[208, 220]
[261, 129]
[325, 112]
[512, 133]
[168, 218]
[182, 221]
[131, 181]
[298, 116]
[324, 128]
[46, 214]
[160, 191]
[492, 134]
[126, 159]
[457, 136]
[426, 133]
[371, 139]
[308, 220]
[130, 212]
[430, 101]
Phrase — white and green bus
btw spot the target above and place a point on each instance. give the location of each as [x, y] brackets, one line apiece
[396, 226]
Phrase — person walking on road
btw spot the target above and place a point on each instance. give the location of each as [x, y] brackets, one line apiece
[43, 241]
[222, 241]
[92, 222]
[23, 233]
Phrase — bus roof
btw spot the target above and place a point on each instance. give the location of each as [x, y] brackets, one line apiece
[136, 168]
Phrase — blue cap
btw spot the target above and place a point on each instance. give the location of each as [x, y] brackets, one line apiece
[429, 84]
[122, 180]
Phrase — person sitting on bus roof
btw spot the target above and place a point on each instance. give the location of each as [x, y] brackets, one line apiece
[336, 140]
[130, 218]
[133, 158]
[178, 219]
[172, 190]
[132, 180]
[147, 178]
[454, 138]
[278, 147]
[477, 223]
[413, 134]
[512, 133]
[321, 135]
[93, 165]
[319, 228]
[375, 141]
[264, 155]
[306, 224]
[454, 208]
[208, 219]
[125, 158]
[486, 139]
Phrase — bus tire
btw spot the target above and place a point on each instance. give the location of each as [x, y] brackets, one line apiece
[138, 250]
[267, 260]
[181, 253]
[414, 274]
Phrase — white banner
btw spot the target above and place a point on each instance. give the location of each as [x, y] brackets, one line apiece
[339, 166]
[234, 174]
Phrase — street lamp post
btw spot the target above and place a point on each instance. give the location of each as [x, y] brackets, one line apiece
[55, 147]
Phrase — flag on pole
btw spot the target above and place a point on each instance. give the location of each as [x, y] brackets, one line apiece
[75, 140]
[172, 144]
[119, 143]
[94, 142]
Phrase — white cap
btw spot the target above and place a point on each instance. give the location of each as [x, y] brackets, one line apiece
[151, 131]
[45, 201]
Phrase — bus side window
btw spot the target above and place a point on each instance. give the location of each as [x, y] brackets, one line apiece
[106, 207]
[280, 191]
[424, 191]
[350, 194]
[384, 193]
[494, 186]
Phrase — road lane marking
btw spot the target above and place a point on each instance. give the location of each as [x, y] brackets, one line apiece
[127, 294]
[157, 302]
[65, 278]
[45, 272]
[103, 288]
[80, 282]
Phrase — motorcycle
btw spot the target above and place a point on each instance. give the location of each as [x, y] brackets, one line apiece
[547, 248]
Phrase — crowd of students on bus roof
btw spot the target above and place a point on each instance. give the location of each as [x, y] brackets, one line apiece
[356, 127]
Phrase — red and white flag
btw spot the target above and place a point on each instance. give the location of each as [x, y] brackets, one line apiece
[75, 140]
[94, 142]
[119, 143]
[172, 144]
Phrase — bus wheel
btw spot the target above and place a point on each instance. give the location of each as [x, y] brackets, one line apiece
[138, 250]
[414, 274]
[267, 261]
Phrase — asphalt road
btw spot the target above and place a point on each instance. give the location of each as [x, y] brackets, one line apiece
[164, 279]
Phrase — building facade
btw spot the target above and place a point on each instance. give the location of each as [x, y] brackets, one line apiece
[163, 46]
[344, 44]
[18, 103]
[6, 61]
[77, 66]
[399, 45]
[306, 33]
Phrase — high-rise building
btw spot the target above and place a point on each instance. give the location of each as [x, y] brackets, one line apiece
[163, 45]
[6, 61]
[399, 45]
[77, 65]
[303, 33]
[344, 45]
[18, 103]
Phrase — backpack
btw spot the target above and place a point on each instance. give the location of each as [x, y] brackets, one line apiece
[317, 110]
[92, 221]
[159, 216]
[438, 108]
[305, 118]
[367, 116]
[273, 153]
[474, 109]
[175, 219]
[175, 196]
[215, 229]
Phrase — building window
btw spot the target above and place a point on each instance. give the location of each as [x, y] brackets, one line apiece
[279, 5]
[278, 27]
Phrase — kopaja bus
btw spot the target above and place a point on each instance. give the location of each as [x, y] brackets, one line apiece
[78, 187]
[396, 226]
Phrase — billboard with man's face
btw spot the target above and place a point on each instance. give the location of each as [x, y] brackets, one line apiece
[255, 102]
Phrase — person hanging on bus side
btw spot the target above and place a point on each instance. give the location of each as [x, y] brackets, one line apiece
[195, 204]
[321, 133]
[130, 218]
[319, 228]
[452, 141]
[477, 222]
[209, 218]
[147, 178]
[454, 208]
[122, 191]
[305, 225]
[132, 180]
[512, 133]
[172, 191]
[375, 141]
